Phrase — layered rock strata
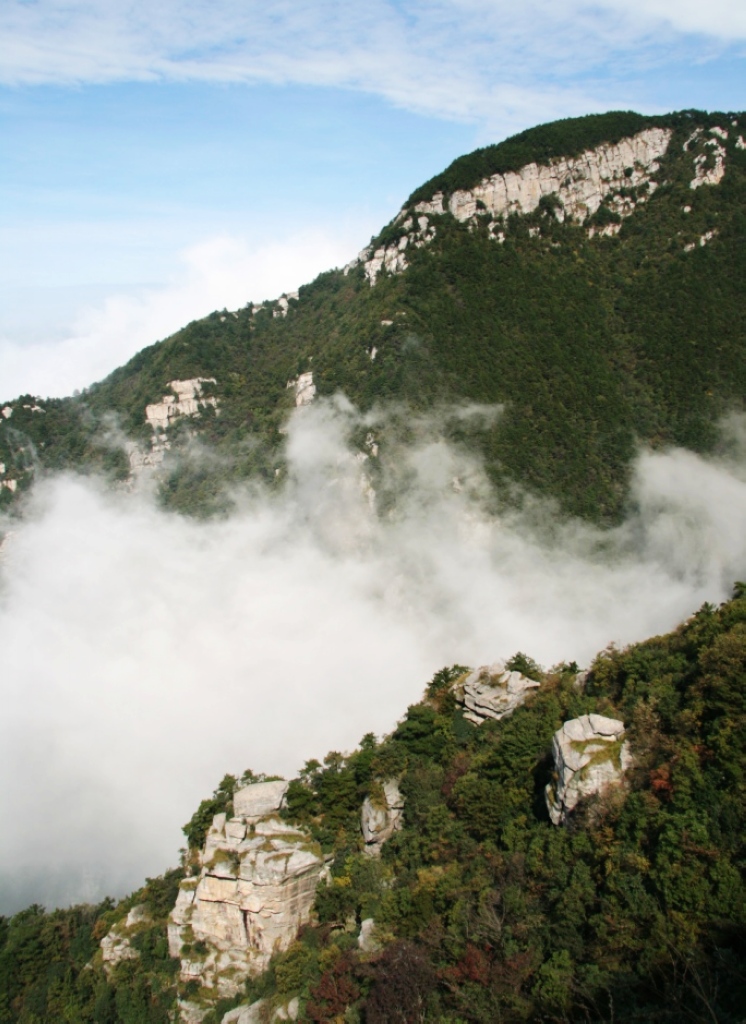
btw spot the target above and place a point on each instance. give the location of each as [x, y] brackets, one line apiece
[492, 692]
[381, 816]
[590, 755]
[255, 889]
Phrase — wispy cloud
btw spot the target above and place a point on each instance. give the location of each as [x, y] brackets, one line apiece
[453, 58]
[217, 273]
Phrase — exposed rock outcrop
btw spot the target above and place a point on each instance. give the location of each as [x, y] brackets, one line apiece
[381, 816]
[492, 692]
[590, 755]
[116, 945]
[186, 400]
[255, 1013]
[255, 889]
[305, 389]
[618, 174]
[283, 304]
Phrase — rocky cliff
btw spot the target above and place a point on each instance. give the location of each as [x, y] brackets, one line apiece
[254, 889]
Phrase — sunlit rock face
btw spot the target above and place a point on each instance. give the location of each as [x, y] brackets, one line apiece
[578, 186]
[590, 755]
[579, 183]
[492, 691]
[709, 156]
[255, 889]
[186, 400]
[381, 816]
[304, 387]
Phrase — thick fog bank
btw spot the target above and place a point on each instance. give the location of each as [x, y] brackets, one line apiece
[144, 655]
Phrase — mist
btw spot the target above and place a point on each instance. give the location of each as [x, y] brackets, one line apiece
[144, 655]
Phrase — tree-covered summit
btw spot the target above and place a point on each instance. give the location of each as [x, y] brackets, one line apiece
[567, 137]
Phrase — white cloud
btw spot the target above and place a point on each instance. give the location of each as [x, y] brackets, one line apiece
[144, 655]
[217, 273]
[465, 59]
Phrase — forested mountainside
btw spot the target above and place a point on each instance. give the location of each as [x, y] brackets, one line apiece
[527, 845]
[586, 277]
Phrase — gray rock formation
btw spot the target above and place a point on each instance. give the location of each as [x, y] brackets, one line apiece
[116, 945]
[381, 816]
[255, 889]
[589, 756]
[492, 692]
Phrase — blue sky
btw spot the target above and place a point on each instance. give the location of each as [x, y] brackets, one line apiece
[163, 160]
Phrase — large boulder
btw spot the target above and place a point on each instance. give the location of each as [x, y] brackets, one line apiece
[255, 889]
[381, 816]
[590, 754]
[259, 799]
[492, 691]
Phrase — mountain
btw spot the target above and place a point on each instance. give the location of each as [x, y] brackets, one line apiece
[584, 277]
[525, 846]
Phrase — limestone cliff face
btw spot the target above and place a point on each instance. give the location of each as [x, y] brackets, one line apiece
[589, 756]
[578, 185]
[255, 889]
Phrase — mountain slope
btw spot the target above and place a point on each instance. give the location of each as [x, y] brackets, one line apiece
[598, 303]
[478, 907]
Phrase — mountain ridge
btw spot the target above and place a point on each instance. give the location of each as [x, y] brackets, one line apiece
[576, 337]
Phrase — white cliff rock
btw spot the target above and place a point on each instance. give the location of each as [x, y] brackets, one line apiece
[255, 1013]
[589, 756]
[187, 400]
[305, 389]
[579, 185]
[283, 304]
[709, 163]
[381, 816]
[492, 691]
[116, 945]
[255, 889]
